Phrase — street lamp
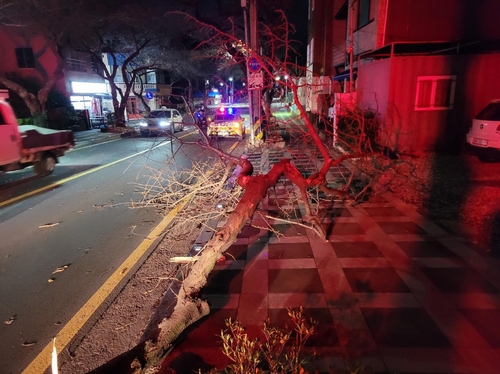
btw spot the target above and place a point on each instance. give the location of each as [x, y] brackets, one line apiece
[232, 89]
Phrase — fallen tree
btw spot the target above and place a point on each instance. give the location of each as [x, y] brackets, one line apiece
[190, 307]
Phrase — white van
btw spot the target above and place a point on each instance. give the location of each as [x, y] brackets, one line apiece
[484, 135]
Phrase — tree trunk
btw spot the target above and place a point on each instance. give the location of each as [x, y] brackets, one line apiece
[39, 119]
[29, 99]
[205, 97]
[190, 91]
[120, 116]
[189, 307]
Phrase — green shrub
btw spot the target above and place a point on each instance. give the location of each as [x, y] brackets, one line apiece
[63, 118]
[25, 121]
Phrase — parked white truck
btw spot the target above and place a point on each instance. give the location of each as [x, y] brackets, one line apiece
[27, 145]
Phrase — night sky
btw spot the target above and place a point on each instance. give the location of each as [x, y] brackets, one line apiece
[298, 17]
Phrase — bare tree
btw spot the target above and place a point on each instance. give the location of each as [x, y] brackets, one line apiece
[193, 66]
[123, 45]
[47, 22]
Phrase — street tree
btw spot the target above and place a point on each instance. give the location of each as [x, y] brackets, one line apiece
[45, 24]
[189, 65]
[125, 40]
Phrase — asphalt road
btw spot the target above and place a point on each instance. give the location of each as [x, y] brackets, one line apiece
[60, 242]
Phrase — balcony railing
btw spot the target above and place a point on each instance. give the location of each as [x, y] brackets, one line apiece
[74, 64]
[164, 89]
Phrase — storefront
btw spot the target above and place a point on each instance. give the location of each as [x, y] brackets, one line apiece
[92, 97]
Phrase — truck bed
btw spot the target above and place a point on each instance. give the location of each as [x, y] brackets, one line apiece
[36, 139]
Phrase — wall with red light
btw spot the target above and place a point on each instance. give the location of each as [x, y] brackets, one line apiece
[389, 87]
[443, 20]
[45, 61]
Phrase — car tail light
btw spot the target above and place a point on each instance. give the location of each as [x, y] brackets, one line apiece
[498, 128]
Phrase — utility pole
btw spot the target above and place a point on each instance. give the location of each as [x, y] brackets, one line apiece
[254, 42]
[254, 95]
[351, 46]
[250, 98]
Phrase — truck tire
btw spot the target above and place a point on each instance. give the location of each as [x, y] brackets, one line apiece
[46, 165]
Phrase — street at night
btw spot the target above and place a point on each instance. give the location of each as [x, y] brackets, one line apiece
[71, 237]
[240, 186]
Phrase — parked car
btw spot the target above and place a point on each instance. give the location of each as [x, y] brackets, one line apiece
[225, 123]
[161, 121]
[484, 135]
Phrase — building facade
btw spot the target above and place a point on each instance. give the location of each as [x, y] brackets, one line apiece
[424, 67]
[28, 60]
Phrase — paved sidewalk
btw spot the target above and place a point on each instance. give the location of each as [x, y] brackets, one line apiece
[95, 136]
[391, 290]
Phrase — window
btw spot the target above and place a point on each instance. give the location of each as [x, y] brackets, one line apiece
[490, 113]
[119, 77]
[75, 61]
[435, 92]
[160, 114]
[363, 13]
[226, 117]
[25, 58]
[151, 77]
[74, 64]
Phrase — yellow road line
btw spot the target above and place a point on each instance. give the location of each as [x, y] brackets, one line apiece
[65, 180]
[44, 359]
[69, 331]
[93, 145]
[232, 147]
[79, 175]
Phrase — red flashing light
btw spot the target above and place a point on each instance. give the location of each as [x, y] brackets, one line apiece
[221, 110]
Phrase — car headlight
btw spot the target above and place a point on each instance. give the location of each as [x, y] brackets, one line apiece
[143, 123]
[164, 123]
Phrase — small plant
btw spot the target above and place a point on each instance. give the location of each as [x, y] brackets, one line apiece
[279, 354]
[243, 352]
